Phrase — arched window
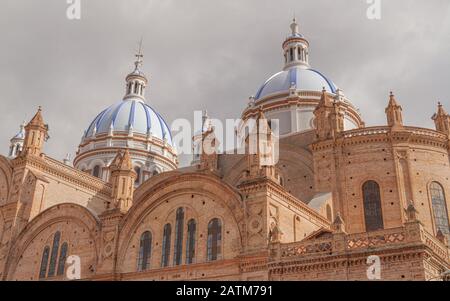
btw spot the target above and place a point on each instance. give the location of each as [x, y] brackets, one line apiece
[96, 171]
[178, 249]
[17, 150]
[329, 215]
[190, 241]
[137, 169]
[44, 263]
[372, 206]
[62, 259]
[166, 245]
[145, 250]
[56, 264]
[439, 208]
[214, 239]
[291, 54]
[54, 254]
[155, 172]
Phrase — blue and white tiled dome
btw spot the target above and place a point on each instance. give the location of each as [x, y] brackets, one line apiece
[133, 115]
[304, 79]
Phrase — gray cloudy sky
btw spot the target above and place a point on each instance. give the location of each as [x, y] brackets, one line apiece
[212, 54]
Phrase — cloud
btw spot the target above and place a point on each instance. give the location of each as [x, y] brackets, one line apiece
[212, 54]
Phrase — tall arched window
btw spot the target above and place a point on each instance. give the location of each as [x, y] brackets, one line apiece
[44, 263]
[439, 204]
[56, 264]
[166, 245]
[138, 175]
[178, 249]
[145, 250]
[96, 171]
[62, 259]
[54, 254]
[372, 206]
[190, 241]
[214, 239]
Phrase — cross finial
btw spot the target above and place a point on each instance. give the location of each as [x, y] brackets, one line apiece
[294, 26]
[139, 55]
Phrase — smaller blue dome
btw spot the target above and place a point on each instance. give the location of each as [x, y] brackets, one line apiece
[131, 114]
[305, 79]
[20, 135]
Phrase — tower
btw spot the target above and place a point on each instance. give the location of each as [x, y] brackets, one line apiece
[16, 142]
[122, 178]
[262, 149]
[197, 139]
[442, 120]
[394, 113]
[36, 133]
[328, 117]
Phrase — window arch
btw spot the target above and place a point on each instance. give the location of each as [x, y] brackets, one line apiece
[96, 171]
[178, 248]
[372, 206]
[214, 239]
[145, 250]
[44, 263]
[439, 205]
[137, 169]
[190, 241]
[17, 150]
[56, 264]
[166, 245]
[54, 254]
[62, 259]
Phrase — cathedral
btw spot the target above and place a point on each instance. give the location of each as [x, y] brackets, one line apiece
[339, 194]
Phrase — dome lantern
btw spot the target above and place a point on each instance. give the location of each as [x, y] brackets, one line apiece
[17, 142]
[136, 80]
[295, 48]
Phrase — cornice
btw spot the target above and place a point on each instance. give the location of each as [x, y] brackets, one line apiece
[113, 150]
[49, 166]
[413, 135]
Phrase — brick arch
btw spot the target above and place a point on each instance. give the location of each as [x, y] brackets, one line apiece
[5, 179]
[198, 184]
[71, 216]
